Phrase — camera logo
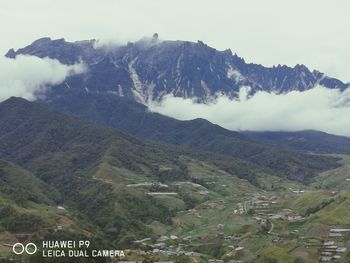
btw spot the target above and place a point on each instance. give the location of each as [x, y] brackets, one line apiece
[19, 248]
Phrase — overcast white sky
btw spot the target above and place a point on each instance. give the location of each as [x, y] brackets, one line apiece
[313, 32]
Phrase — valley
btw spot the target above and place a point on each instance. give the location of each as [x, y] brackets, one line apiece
[234, 220]
[217, 215]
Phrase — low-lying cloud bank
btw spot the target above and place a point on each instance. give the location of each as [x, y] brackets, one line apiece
[29, 76]
[318, 109]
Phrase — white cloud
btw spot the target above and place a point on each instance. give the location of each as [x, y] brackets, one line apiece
[318, 109]
[112, 44]
[28, 76]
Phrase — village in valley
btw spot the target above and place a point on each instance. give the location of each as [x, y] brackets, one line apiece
[245, 226]
[220, 218]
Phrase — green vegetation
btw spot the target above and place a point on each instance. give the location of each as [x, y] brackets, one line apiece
[117, 190]
[199, 134]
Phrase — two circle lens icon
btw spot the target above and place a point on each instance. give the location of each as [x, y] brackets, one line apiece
[19, 248]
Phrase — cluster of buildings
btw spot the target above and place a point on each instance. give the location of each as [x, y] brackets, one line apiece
[331, 250]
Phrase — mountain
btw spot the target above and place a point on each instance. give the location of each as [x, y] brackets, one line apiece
[150, 69]
[310, 141]
[121, 192]
[90, 167]
[135, 119]
[135, 71]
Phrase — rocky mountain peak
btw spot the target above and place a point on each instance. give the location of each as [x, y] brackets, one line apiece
[151, 68]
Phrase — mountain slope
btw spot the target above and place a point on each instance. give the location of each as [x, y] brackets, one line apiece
[312, 141]
[151, 69]
[18, 185]
[29, 210]
[135, 119]
[91, 167]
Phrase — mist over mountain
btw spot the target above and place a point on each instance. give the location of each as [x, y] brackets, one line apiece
[30, 76]
[319, 108]
[189, 80]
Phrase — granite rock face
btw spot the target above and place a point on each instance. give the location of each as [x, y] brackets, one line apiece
[149, 69]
